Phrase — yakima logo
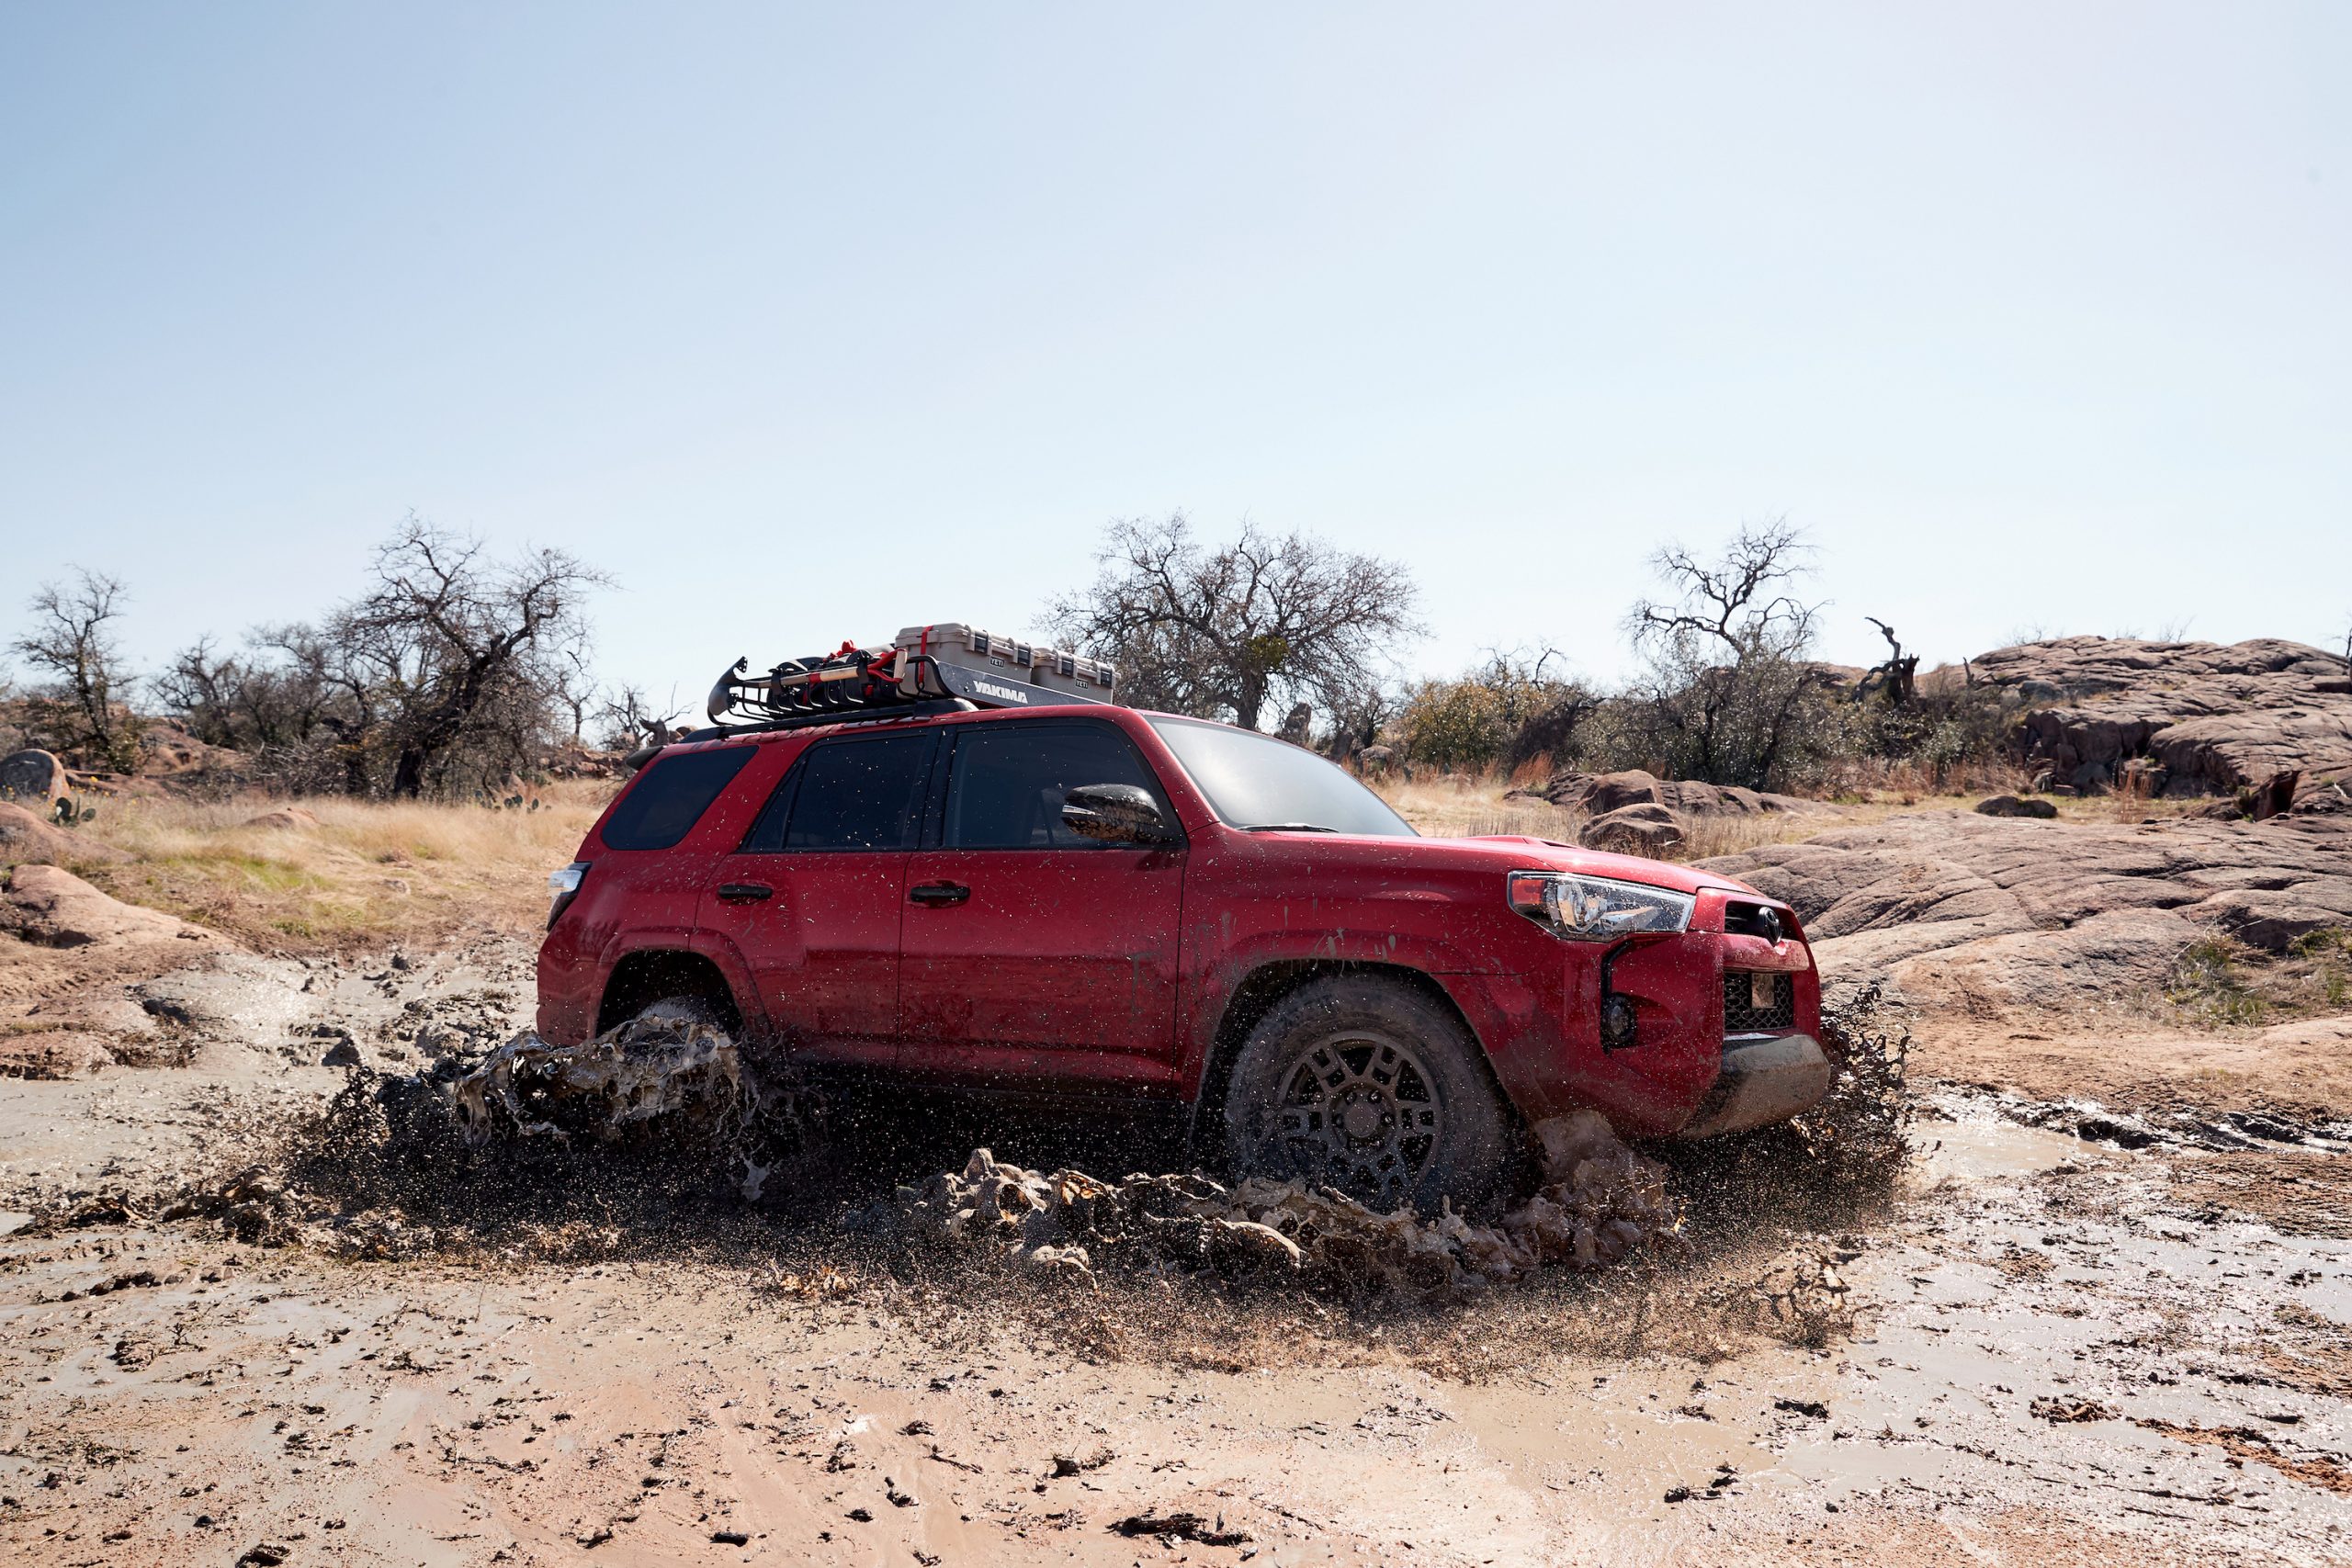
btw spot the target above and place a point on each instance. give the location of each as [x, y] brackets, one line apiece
[1005, 693]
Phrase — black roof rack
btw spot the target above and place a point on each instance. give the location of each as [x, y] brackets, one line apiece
[922, 708]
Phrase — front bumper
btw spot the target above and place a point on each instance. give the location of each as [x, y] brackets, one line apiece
[1764, 1078]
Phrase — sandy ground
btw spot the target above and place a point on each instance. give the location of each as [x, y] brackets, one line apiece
[2301, 1067]
[2065, 1351]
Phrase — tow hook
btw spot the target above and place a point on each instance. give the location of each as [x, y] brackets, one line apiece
[1620, 1030]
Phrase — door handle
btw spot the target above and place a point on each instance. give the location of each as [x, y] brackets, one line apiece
[939, 893]
[744, 892]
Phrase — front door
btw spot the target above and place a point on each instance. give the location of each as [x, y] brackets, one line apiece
[814, 896]
[1036, 957]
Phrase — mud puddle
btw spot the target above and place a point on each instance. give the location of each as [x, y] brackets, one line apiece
[2044, 1348]
[2045, 1360]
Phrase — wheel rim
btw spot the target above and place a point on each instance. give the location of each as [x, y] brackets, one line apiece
[1359, 1112]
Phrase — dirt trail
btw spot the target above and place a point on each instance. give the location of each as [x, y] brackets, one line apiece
[2065, 1351]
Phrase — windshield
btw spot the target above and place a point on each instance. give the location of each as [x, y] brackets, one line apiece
[1256, 781]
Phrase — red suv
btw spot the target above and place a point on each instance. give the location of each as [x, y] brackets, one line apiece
[1089, 899]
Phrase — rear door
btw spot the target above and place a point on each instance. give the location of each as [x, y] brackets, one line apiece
[814, 895]
[647, 859]
[1035, 957]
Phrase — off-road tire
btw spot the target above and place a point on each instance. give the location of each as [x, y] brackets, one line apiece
[1373, 1087]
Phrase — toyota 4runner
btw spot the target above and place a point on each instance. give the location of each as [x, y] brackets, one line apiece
[1084, 900]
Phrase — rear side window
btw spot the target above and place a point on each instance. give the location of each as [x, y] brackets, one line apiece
[671, 797]
[849, 794]
[1011, 781]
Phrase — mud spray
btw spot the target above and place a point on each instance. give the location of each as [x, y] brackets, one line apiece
[659, 1139]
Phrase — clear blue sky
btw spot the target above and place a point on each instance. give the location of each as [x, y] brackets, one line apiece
[808, 323]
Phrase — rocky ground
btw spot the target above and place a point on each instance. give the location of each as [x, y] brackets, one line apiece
[2056, 958]
[2185, 718]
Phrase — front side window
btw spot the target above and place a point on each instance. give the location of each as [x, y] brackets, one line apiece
[669, 797]
[863, 794]
[1256, 781]
[1010, 782]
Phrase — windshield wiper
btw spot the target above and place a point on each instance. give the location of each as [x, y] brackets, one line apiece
[1287, 827]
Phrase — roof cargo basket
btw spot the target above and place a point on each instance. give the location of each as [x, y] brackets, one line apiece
[923, 665]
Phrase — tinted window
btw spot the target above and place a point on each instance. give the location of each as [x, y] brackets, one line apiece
[1010, 780]
[849, 795]
[670, 796]
[1256, 781]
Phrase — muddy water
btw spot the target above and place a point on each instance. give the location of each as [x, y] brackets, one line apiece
[211, 1398]
[427, 1413]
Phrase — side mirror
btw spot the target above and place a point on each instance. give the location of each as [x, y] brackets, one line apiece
[1115, 814]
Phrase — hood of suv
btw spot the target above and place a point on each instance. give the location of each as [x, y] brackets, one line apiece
[1549, 854]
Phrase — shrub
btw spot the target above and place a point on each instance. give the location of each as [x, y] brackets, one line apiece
[1504, 713]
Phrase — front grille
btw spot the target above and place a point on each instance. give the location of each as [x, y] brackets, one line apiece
[1741, 1016]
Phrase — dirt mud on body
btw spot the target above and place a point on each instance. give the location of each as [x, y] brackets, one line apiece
[2069, 1336]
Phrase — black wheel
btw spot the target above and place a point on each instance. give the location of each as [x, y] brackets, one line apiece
[1369, 1086]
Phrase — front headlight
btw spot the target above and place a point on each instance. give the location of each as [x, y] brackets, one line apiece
[1597, 908]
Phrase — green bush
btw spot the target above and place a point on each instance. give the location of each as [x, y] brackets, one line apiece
[1503, 713]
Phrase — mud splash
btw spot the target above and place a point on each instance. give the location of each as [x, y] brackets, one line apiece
[668, 1070]
[1600, 1203]
[660, 1137]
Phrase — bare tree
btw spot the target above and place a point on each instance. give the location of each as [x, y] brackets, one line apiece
[629, 718]
[575, 688]
[79, 668]
[278, 694]
[1898, 677]
[451, 672]
[462, 642]
[1223, 632]
[1729, 693]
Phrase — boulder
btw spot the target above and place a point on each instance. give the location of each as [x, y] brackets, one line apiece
[167, 750]
[2205, 717]
[29, 840]
[50, 908]
[32, 778]
[1597, 794]
[1990, 910]
[1645, 827]
[59, 938]
[284, 819]
[2012, 806]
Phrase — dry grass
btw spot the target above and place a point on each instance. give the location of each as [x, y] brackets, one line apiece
[1463, 805]
[1454, 806]
[372, 872]
[2220, 982]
